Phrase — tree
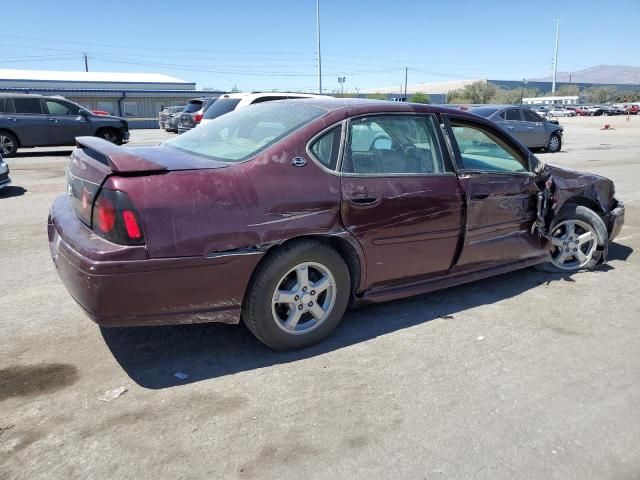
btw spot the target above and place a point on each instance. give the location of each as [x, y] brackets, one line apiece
[377, 96]
[419, 97]
[600, 94]
[567, 90]
[476, 92]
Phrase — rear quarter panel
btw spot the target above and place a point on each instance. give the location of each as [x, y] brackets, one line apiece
[263, 200]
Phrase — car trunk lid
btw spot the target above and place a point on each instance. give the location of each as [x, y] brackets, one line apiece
[95, 159]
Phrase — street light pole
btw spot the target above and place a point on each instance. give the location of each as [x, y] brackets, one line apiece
[406, 73]
[555, 58]
[319, 55]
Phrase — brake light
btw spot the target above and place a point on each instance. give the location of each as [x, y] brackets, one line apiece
[106, 215]
[115, 218]
[197, 118]
[131, 224]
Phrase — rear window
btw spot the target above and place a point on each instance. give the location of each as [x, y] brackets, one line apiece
[222, 106]
[27, 105]
[484, 111]
[193, 106]
[244, 133]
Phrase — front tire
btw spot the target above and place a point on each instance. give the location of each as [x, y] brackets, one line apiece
[8, 144]
[554, 144]
[578, 238]
[298, 295]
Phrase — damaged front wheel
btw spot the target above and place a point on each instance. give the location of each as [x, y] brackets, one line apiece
[578, 240]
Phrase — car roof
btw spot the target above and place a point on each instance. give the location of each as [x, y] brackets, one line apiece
[253, 95]
[25, 95]
[358, 106]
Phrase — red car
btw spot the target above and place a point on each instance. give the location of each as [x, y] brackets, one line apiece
[283, 213]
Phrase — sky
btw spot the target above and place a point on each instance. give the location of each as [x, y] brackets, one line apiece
[260, 45]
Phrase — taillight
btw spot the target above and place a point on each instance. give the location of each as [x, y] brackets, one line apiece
[197, 117]
[115, 218]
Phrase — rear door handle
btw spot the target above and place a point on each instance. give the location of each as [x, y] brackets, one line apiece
[364, 199]
[53, 120]
[509, 127]
[530, 128]
[13, 119]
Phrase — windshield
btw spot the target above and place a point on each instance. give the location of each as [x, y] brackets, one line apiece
[243, 133]
[483, 111]
[222, 106]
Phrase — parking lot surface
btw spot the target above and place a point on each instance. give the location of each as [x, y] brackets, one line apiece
[527, 375]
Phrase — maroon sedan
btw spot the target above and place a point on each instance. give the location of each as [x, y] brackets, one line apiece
[284, 213]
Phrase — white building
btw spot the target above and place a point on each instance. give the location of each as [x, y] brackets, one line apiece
[139, 97]
[558, 100]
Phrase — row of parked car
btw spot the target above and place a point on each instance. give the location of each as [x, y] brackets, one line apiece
[181, 119]
[584, 110]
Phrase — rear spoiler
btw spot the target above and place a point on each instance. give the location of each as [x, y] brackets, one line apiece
[118, 159]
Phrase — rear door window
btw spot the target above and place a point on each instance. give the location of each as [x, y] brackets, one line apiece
[326, 148]
[28, 105]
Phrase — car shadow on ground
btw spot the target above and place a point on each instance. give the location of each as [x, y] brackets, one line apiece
[12, 191]
[152, 355]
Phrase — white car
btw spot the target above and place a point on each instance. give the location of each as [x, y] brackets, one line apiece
[233, 101]
[4, 174]
[561, 112]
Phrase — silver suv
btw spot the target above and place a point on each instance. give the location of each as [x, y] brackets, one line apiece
[38, 121]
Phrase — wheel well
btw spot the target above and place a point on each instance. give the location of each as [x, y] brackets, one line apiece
[584, 202]
[102, 129]
[344, 249]
[12, 133]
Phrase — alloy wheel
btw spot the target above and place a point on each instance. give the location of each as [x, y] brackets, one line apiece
[303, 298]
[6, 145]
[554, 143]
[574, 243]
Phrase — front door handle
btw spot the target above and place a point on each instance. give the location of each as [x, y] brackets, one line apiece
[509, 127]
[364, 199]
[13, 119]
[53, 120]
[530, 128]
[479, 196]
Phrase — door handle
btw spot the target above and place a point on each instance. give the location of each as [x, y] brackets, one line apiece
[364, 200]
[53, 120]
[479, 196]
[13, 119]
[529, 128]
[510, 127]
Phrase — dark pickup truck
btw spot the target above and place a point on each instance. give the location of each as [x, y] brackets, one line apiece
[28, 120]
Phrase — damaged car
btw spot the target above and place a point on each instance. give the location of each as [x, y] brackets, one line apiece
[283, 214]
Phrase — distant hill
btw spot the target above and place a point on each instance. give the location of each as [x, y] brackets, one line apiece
[607, 74]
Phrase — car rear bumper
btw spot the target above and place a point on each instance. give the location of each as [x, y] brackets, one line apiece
[183, 128]
[616, 220]
[116, 291]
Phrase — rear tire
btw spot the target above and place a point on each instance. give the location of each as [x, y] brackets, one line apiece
[580, 235]
[298, 295]
[555, 143]
[8, 144]
[110, 135]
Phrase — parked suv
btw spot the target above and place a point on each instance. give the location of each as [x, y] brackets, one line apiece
[37, 121]
[233, 101]
[193, 112]
[166, 114]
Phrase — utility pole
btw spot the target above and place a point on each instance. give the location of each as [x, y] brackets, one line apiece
[406, 73]
[86, 62]
[341, 81]
[555, 58]
[319, 56]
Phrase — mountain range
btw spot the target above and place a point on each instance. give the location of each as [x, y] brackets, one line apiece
[607, 74]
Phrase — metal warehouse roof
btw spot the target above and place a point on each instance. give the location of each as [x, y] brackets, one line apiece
[62, 76]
